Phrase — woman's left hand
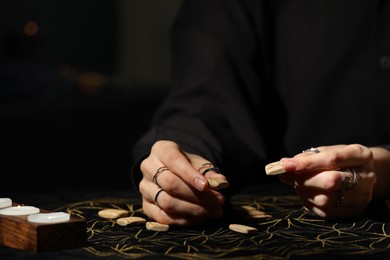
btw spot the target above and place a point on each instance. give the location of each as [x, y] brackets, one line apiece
[334, 182]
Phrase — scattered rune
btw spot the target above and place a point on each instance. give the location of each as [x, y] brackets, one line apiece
[242, 229]
[274, 168]
[156, 226]
[251, 212]
[112, 213]
[217, 184]
[130, 221]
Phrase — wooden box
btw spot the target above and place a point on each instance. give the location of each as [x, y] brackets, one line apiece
[17, 232]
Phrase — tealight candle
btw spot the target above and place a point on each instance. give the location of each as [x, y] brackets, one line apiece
[19, 210]
[5, 202]
[53, 217]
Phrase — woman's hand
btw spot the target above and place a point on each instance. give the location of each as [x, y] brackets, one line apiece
[335, 183]
[185, 197]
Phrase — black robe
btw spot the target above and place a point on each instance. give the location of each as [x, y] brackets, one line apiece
[254, 81]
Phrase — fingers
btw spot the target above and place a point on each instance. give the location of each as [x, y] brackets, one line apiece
[328, 169]
[176, 166]
[178, 189]
[166, 208]
[334, 205]
[170, 155]
[330, 199]
[173, 182]
[325, 180]
[335, 194]
[329, 158]
[173, 189]
[336, 182]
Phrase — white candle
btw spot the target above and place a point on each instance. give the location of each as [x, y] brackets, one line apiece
[53, 217]
[5, 202]
[19, 210]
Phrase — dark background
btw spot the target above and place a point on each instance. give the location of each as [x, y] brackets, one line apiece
[79, 82]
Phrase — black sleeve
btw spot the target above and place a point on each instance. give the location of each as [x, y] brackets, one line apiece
[220, 78]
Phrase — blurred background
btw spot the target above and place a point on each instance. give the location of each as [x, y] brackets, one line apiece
[79, 82]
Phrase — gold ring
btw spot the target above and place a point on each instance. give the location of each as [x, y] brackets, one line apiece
[156, 197]
[159, 170]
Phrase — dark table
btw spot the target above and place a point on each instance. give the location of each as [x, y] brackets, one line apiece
[291, 233]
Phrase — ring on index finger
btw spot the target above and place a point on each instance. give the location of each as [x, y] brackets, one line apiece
[210, 169]
[159, 170]
[313, 150]
[208, 166]
[205, 165]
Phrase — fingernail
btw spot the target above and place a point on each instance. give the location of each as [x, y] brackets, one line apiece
[289, 165]
[200, 183]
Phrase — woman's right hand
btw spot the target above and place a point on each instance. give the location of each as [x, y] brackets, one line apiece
[185, 197]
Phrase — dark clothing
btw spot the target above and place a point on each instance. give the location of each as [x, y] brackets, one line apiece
[254, 81]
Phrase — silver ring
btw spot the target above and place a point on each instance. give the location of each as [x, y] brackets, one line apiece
[159, 170]
[210, 169]
[313, 150]
[347, 182]
[156, 197]
[205, 165]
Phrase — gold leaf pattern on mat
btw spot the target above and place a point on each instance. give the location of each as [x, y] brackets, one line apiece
[290, 232]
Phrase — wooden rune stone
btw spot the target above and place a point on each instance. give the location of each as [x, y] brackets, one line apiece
[274, 168]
